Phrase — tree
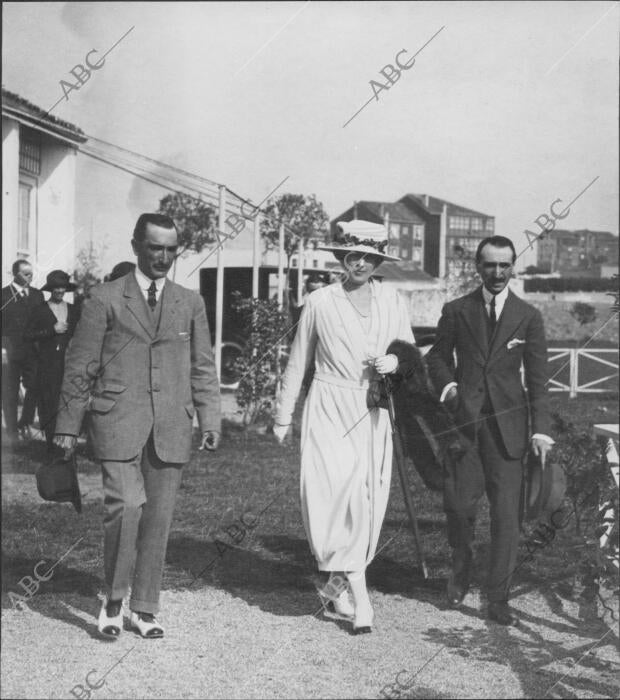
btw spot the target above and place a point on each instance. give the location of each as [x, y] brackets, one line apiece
[194, 219]
[259, 363]
[302, 217]
[87, 272]
[461, 278]
[583, 313]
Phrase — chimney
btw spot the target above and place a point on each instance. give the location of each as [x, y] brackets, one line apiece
[425, 200]
[355, 210]
[382, 210]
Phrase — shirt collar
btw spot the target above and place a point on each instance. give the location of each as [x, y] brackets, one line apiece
[19, 287]
[144, 282]
[499, 298]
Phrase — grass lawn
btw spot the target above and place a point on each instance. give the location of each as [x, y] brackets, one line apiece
[239, 593]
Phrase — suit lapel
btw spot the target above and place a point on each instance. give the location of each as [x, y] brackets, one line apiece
[509, 320]
[474, 315]
[169, 300]
[137, 306]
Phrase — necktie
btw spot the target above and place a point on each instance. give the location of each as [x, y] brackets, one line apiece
[152, 300]
[493, 315]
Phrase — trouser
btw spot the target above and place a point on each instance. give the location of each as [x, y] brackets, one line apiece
[16, 370]
[486, 466]
[139, 497]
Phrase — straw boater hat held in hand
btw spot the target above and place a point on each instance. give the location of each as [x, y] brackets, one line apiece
[359, 236]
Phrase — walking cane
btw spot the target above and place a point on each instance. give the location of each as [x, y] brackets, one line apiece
[400, 462]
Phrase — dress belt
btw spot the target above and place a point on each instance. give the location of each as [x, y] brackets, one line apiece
[361, 385]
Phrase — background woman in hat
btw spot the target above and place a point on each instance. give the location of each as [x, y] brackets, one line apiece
[346, 447]
[51, 326]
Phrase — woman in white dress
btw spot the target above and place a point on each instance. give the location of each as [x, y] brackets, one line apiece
[346, 447]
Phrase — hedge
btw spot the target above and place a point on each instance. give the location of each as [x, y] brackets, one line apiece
[570, 284]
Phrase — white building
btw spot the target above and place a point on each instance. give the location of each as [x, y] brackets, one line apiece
[39, 154]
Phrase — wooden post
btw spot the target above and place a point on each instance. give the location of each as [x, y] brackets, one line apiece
[573, 373]
[300, 270]
[219, 285]
[281, 267]
[256, 256]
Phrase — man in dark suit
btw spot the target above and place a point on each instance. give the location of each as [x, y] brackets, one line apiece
[140, 363]
[492, 332]
[18, 360]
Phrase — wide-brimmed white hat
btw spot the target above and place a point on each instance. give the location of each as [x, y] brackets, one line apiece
[360, 236]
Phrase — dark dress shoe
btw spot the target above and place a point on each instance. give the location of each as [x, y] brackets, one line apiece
[456, 591]
[501, 613]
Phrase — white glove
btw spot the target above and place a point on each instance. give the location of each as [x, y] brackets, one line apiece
[386, 364]
[280, 432]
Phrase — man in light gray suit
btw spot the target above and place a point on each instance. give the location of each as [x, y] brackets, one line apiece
[139, 365]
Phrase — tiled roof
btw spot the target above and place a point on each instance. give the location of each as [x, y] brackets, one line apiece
[396, 211]
[14, 105]
[394, 271]
[435, 206]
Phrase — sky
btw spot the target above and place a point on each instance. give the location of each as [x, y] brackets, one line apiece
[511, 106]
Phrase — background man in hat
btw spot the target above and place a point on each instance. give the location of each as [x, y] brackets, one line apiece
[141, 364]
[50, 328]
[18, 361]
[493, 332]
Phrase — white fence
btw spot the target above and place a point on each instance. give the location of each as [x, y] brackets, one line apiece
[580, 373]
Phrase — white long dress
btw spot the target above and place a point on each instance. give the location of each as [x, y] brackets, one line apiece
[346, 448]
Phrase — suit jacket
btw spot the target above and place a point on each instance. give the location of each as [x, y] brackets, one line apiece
[40, 329]
[491, 372]
[16, 312]
[133, 377]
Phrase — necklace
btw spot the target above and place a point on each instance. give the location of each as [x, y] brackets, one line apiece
[354, 305]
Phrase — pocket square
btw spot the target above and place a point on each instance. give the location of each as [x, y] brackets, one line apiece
[514, 342]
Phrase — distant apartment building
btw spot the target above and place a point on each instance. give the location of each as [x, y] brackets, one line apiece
[38, 187]
[581, 253]
[430, 234]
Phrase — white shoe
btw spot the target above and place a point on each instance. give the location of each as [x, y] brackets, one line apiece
[339, 607]
[149, 629]
[109, 627]
[364, 617]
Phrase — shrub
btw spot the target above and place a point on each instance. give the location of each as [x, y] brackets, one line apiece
[589, 484]
[570, 284]
[266, 329]
[582, 312]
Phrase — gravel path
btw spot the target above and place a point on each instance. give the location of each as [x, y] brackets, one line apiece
[276, 644]
[252, 625]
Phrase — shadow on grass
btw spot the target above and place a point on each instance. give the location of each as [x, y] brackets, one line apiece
[527, 658]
